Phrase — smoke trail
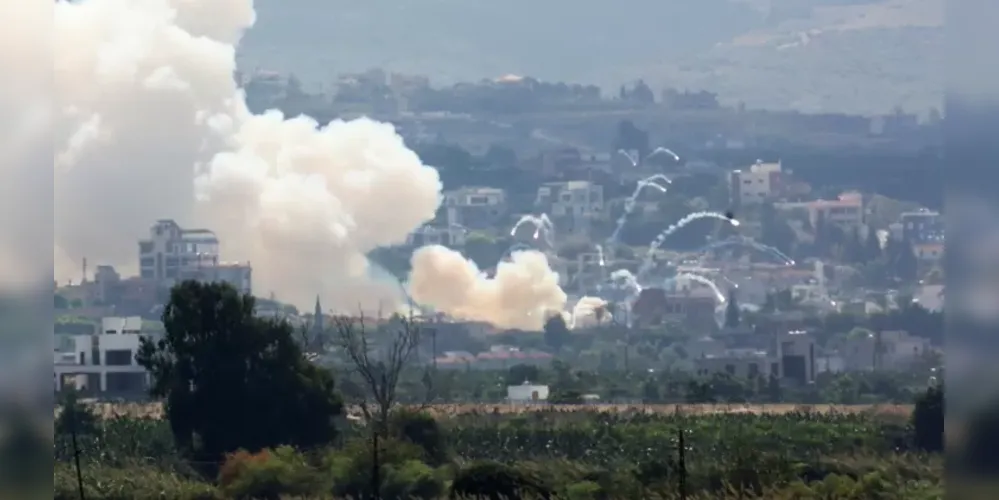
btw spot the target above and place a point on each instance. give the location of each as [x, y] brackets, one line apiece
[543, 226]
[659, 240]
[704, 281]
[629, 203]
[523, 293]
[153, 126]
[743, 241]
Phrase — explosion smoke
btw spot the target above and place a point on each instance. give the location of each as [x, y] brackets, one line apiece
[155, 127]
[523, 293]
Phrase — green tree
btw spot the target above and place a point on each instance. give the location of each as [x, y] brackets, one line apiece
[556, 332]
[732, 311]
[232, 380]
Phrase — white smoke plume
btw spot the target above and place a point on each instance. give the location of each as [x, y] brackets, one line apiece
[152, 126]
[523, 293]
[589, 312]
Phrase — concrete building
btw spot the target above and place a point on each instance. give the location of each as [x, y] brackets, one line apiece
[104, 362]
[571, 204]
[922, 227]
[887, 350]
[796, 356]
[847, 211]
[754, 186]
[172, 254]
[739, 363]
[695, 310]
[475, 207]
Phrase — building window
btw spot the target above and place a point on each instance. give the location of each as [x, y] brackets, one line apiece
[754, 370]
[730, 369]
[146, 247]
[118, 357]
[147, 262]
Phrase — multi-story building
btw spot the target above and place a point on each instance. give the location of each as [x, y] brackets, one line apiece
[571, 204]
[475, 207]
[173, 254]
[754, 186]
[105, 361]
[922, 226]
[847, 211]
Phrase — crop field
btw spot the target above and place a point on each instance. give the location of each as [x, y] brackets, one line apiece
[155, 410]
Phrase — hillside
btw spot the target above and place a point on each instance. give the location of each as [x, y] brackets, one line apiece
[816, 56]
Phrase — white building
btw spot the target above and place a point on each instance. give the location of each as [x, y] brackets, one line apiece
[756, 185]
[172, 254]
[527, 393]
[571, 204]
[104, 362]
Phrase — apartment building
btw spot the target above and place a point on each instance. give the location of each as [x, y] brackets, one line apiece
[571, 204]
[475, 207]
[759, 183]
[922, 226]
[846, 211]
[172, 254]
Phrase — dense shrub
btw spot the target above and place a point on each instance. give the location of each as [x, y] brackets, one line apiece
[421, 428]
[269, 475]
[352, 467]
[411, 480]
[109, 483]
[496, 481]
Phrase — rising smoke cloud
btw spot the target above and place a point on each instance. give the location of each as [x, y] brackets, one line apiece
[152, 125]
[523, 293]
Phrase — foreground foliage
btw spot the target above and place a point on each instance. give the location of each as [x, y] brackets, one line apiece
[549, 454]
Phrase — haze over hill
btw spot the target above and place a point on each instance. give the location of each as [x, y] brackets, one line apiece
[865, 56]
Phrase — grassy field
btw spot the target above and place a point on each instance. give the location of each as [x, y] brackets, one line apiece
[155, 410]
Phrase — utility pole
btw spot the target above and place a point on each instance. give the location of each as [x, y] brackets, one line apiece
[681, 463]
[76, 448]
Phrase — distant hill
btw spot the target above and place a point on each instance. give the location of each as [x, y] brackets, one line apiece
[805, 54]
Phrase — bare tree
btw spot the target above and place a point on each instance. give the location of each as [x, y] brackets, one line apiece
[378, 362]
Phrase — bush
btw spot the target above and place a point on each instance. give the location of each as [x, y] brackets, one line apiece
[107, 483]
[421, 429]
[351, 468]
[268, 475]
[496, 481]
[585, 490]
[411, 480]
